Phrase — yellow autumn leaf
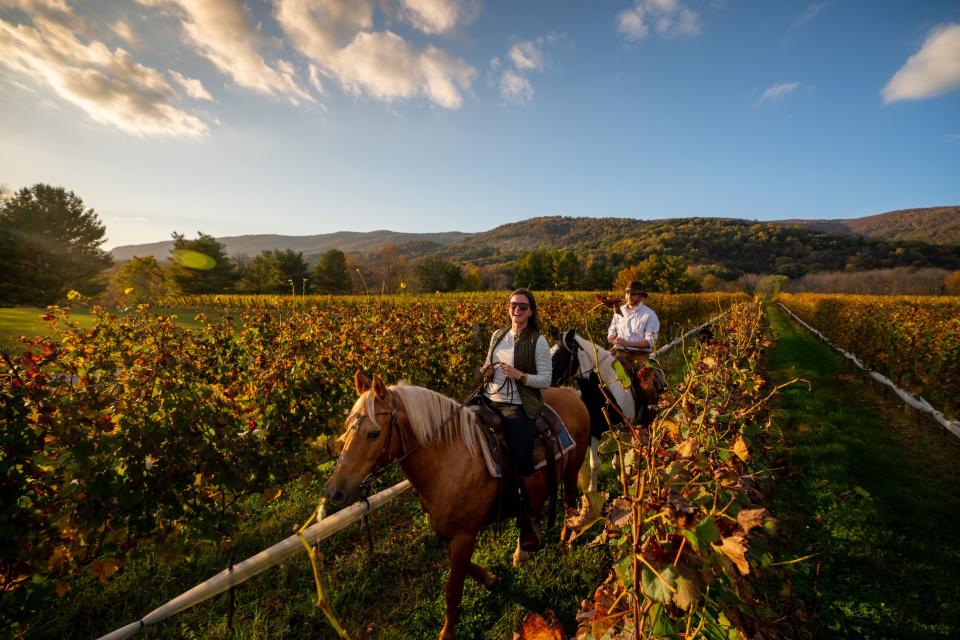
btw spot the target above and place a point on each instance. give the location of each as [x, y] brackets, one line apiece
[740, 448]
[734, 548]
[688, 448]
[750, 518]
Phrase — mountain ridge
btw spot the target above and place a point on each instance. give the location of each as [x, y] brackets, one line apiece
[735, 244]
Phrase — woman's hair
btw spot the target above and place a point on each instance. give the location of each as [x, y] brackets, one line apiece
[534, 317]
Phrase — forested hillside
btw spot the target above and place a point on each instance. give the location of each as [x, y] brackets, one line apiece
[936, 225]
[738, 246]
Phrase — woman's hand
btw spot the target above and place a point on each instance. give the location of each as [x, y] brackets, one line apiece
[487, 372]
[511, 371]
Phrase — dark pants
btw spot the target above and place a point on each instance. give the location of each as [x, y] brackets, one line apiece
[521, 435]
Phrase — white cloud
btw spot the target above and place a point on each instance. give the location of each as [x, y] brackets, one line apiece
[130, 219]
[666, 17]
[515, 89]
[315, 81]
[438, 16]
[930, 72]
[106, 84]
[526, 55]
[778, 91]
[319, 28]
[953, 136]
[336, 36]
[521, 59]
[809, 14]
[192, 86]
[631, 24]
[220, 30]
[124, 31]
[386, 67]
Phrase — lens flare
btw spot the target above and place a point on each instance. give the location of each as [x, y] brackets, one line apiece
[194, 260]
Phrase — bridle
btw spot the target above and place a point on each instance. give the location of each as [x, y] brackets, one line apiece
[383, 458]
[569, 374]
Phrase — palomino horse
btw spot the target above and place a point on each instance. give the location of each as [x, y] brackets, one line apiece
[577, 358]
[436, 441]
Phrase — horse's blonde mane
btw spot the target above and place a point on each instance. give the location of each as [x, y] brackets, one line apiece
[430, 418]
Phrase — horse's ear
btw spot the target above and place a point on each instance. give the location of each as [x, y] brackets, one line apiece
[569, 338]
[379, 389]
[555, 333]
[360, 382]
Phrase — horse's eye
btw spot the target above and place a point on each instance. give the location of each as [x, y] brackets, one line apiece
[373, 435]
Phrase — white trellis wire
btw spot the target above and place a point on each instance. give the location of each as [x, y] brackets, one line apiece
[953, 426]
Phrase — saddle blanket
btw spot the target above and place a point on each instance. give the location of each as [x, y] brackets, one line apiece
[549, 426]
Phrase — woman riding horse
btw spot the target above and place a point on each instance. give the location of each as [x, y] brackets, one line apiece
[436, 442]
[516, 369]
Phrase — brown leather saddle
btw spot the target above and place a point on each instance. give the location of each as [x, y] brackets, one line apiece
[552, 440]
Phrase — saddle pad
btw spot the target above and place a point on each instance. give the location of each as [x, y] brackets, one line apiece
[561, 435]
[487, 445]
[557, 430]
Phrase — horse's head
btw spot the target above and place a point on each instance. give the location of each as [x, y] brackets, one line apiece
[565, 358]
[372, 439]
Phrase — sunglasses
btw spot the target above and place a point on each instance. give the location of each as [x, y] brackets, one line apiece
[523, 306]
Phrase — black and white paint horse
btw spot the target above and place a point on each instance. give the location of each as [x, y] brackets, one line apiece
[577, 359]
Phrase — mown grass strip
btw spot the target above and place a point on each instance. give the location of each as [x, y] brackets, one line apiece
[873, 491]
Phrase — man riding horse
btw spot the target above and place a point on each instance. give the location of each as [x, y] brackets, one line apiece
[633, 331]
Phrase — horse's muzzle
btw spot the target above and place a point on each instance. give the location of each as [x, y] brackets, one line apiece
[339, 494]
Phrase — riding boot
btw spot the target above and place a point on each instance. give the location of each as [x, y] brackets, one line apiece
[535, 495]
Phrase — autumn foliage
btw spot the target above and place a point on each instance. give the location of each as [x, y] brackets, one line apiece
[914, 340]
[138, 429]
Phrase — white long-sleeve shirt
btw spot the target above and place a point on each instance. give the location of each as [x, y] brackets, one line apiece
[634, 325]
[502, 389]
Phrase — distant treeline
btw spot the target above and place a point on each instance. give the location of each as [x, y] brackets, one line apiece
[50, 243]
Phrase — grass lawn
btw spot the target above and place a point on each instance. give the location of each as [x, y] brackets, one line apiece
[25, 321]
[874, 491]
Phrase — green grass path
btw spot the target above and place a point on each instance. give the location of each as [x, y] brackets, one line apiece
[874, 491]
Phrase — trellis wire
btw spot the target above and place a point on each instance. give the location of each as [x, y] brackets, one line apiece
[953, 426]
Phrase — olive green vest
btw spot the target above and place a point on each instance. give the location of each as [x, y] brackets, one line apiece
[524, 359]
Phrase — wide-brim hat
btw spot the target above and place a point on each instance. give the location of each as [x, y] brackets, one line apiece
[636, 287]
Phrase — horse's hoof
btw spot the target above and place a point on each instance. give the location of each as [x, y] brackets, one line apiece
[493, 585]
[520, 556]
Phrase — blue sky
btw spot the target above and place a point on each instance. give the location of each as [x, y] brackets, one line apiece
[314, 116]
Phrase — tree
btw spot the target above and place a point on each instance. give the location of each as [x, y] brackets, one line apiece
[436, 273]
[260, 275]
[293, 270]
[534, 270]
[275, 271]
[139, 280]
[625, 277]
[201, 265]
[665, 274]
[331, 274]
[472, 279]
[952, 284]
[565, 270]
[50, 243]
[597, 274]
[770, 286]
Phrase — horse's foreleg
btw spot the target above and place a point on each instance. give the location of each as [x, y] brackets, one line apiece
[482, 576]
[460, 549]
